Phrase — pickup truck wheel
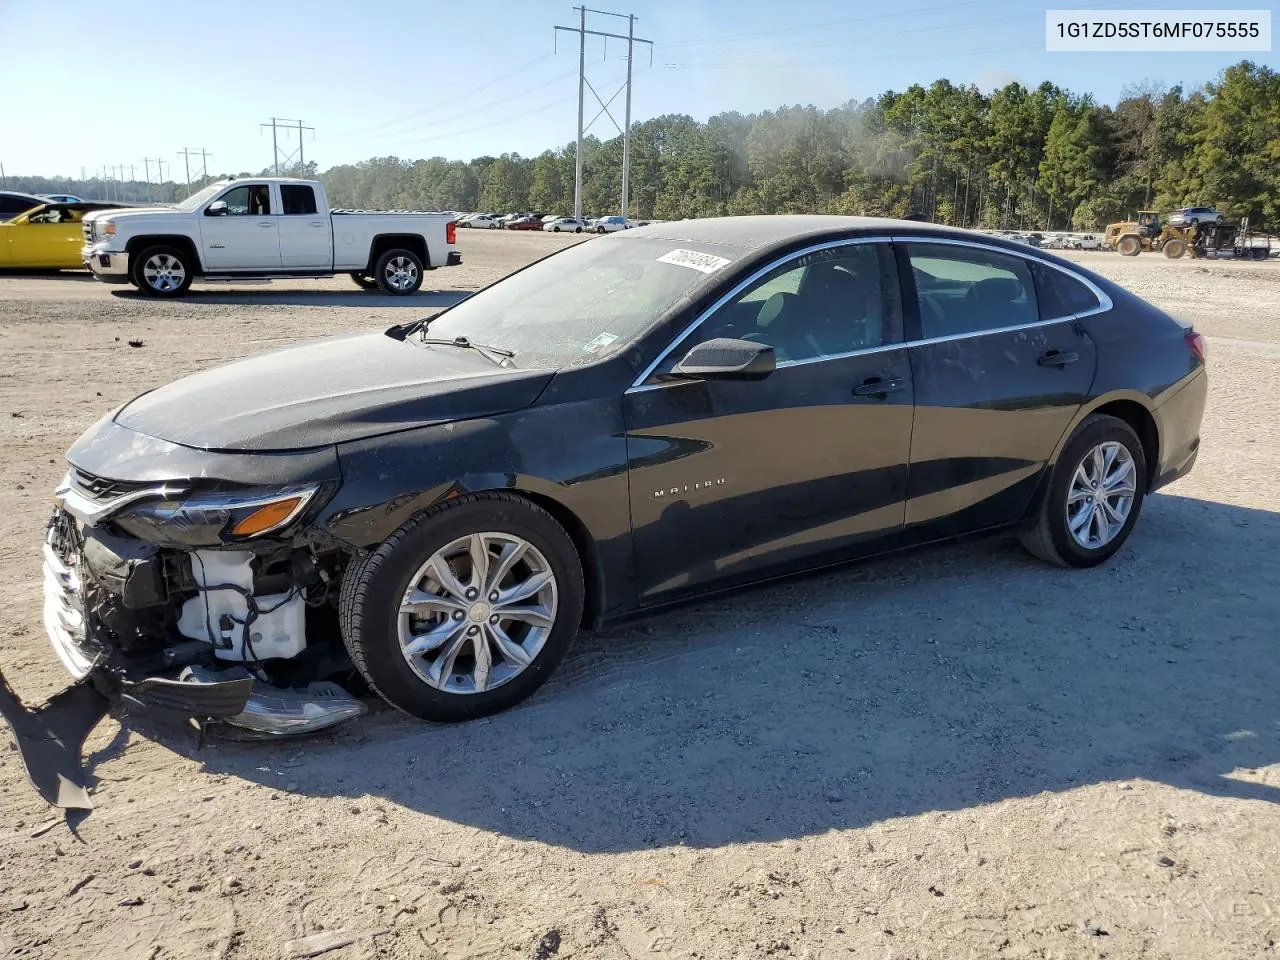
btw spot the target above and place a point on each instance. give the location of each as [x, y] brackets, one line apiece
[161, 271]
[364, 281]
[399, 272]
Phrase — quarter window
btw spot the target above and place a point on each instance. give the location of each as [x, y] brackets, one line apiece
[825, 303]
[967, 289]
[1062, 295]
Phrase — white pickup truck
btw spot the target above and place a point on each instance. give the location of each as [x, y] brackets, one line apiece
[264, 228]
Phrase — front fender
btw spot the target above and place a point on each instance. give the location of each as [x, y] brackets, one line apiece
[569, 457]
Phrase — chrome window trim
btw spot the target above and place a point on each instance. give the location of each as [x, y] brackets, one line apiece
[1104, 301]
[1104, 304]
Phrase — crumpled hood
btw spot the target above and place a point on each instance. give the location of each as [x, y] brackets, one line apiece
[329, 391]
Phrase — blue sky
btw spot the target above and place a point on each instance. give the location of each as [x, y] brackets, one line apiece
[417, 78]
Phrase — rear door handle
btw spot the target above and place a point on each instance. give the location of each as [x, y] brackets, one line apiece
[266, 226]
[878, 387]
[1056, 358]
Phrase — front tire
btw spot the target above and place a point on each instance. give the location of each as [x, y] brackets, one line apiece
[466, 609]
[398, 272]
[555, 229]
[578, 230]
[1094, 495]
[1129, 246]
[1174, 249]
[161, 271]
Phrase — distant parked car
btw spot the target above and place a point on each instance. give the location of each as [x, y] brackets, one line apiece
[12, 204]
[525, 223]
[60, 198]
[565, 225]
[1190, 216]
[481, 221]
[1055, 241]
[547, 218]
[1087, 241]
[611, 224]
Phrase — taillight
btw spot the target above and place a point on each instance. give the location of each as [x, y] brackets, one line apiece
[451, 232]
[1197, 345]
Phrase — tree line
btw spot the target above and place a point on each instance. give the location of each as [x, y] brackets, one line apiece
[1018, 157]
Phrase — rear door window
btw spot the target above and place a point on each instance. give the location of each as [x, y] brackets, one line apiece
[964, 290]
[1061, 295]
[297, 200]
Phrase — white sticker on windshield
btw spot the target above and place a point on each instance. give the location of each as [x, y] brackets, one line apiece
[600, 342]
[702, 262]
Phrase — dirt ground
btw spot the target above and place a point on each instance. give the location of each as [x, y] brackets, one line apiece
[949, 754]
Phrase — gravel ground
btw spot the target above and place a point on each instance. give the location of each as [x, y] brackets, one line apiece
[951, 753]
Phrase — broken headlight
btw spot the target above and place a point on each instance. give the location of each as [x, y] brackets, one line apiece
[218, 519]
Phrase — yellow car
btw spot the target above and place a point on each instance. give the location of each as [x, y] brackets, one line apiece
[47, 237]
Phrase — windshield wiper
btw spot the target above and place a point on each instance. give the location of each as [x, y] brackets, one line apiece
[489, 353]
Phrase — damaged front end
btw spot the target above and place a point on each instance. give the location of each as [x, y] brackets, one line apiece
[205, 599]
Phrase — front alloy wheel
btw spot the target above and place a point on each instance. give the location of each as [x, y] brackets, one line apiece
[161, 272]
[466, 609]
[478, 612]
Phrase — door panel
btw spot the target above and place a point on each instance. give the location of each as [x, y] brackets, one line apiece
[306, 239]
[247, 238]
[991, 403]
[732, 481]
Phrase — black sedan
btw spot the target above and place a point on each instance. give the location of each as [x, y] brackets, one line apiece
[633, 421]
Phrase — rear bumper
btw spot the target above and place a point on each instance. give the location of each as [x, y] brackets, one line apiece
[453, 259]
[1178, 426]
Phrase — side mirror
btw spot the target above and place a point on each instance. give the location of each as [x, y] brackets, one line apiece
[216, 209]
[726, 359]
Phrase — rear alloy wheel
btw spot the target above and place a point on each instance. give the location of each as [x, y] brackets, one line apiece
[1129, 246]
[161, 272]
[1094, 496]
[398, 272]
[364, 281]
[466, 609]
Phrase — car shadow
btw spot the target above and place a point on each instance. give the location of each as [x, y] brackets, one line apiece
[930, 681]
[82, 276]
[263, 294]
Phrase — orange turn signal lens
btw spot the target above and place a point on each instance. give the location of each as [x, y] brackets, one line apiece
[267, 517]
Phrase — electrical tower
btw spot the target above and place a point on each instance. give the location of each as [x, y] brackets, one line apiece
[146, 169]
[279, 123]
[583, 84]
[187, 153]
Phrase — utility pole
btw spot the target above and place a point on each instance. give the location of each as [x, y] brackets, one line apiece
[185, 154]
[626, 136]
[584, 84]
[4, 181]
[277, 122]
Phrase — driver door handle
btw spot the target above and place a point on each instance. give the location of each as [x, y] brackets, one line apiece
[266, 226]
[1056, 358]
[878, 387]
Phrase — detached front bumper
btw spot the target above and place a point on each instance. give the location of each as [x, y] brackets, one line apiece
[108, 265]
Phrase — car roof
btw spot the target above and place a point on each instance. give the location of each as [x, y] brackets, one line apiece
[762, 232]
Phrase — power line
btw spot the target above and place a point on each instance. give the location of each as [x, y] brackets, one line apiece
[146, 170]
[582, 32]
[453, 100]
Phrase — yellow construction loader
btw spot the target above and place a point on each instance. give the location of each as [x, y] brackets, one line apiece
[1147, 233]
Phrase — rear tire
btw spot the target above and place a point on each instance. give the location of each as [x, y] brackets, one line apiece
[1052, 539]
[398, 272]
[1129, 246]
[161, 271]
[1175, 248]
[375, 590]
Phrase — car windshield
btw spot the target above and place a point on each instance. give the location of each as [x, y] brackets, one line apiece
[586, 302]
[196, 199]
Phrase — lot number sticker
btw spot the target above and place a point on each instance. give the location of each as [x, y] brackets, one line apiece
[702, 262]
